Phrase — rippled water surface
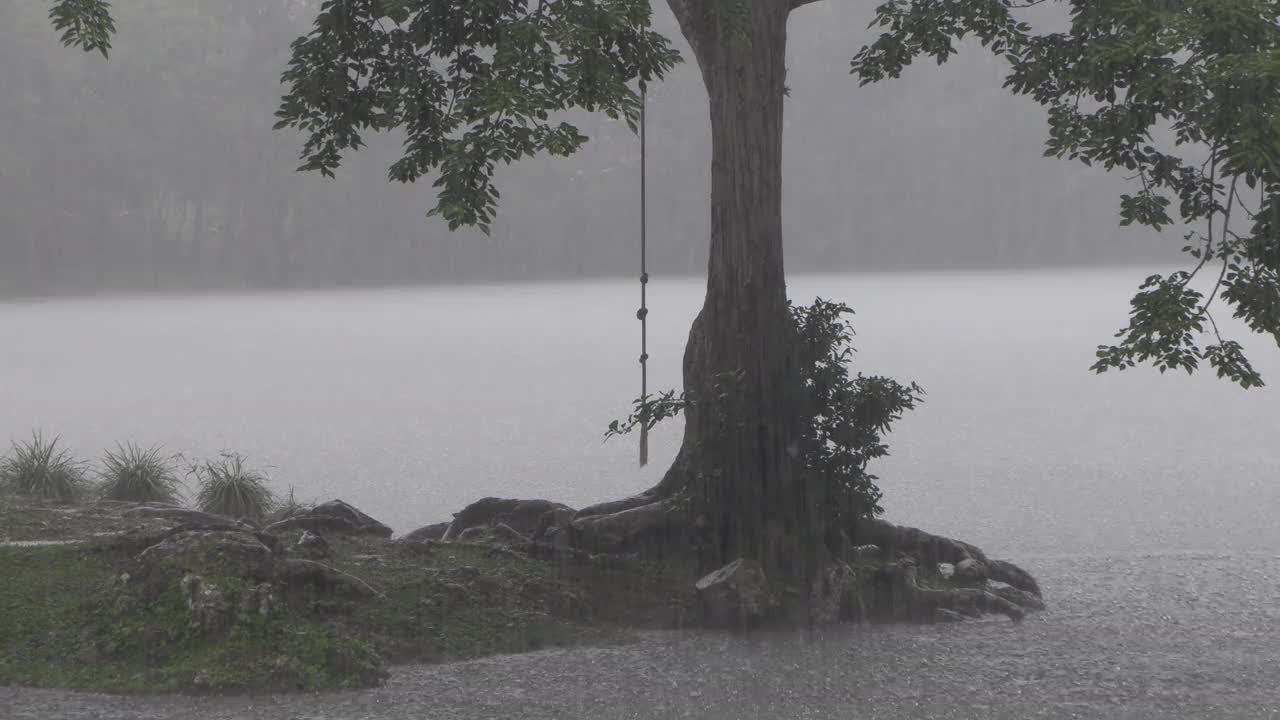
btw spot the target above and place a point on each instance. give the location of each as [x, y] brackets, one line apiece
[1144, 503]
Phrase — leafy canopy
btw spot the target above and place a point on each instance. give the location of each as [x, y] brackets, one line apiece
[471, 84]
[86, 24]
[1184, 95]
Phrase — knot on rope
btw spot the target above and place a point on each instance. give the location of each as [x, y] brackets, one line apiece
[642, 313]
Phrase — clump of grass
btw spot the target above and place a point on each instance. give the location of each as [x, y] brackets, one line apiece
[289, 506]
[40, 469]
[229, 488]
[133, 474]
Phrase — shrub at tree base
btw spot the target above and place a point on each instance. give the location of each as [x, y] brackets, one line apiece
[845, 416]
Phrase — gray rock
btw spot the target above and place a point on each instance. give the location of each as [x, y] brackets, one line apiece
[969, 572]
[944, 615]
[426, 532]
[229, 553]
[314, 544]
[558, 538]
[504, 533]
[206, 603]
[1006, 572]
[735, 595]
[184, 515]
[521, 515]
[832, 594]
[1023, 598]
[554, 522]
[332, 516]
[473, 534]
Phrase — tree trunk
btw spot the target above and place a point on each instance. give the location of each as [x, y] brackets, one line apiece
[736, 489]
[738, 465]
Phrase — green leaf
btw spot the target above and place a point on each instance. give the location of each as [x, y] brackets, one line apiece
[469, 84]
[86, 24]
[1154, 88]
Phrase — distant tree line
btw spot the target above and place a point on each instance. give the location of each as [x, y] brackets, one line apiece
[159, 169]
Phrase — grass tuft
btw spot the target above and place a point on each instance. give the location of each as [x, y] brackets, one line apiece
[133, 474]
[289, 506]
[41, 470]
[228, 488]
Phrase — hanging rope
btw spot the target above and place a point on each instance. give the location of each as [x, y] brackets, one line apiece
[643, 313]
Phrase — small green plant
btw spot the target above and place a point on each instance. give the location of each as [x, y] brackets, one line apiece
[850, 413]
[227, 487]
[133, 474]
[40, 469]
[846, 418]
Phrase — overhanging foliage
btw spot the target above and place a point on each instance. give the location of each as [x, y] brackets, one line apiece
[471, 84]
[1184, 95]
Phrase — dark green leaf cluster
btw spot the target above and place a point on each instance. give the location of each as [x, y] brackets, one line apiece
[851, 414]
[472, 84]
[846, 417]
[649, 411]
[1184, 95]
[85, 24]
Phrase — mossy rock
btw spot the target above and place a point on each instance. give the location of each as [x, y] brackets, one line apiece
[207, 553]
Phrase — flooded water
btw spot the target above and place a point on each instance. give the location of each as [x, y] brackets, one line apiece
[1144, 503]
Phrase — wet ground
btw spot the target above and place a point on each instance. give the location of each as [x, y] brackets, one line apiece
[1141, 636]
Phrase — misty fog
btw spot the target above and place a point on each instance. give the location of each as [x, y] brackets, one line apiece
[158, 170]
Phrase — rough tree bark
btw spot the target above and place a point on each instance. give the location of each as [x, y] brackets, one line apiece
[735, 474]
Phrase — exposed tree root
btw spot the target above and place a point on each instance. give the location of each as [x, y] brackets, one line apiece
[931, 550]
[657, 523]
[1018, 597]
[617, 506]
[896, 592]
[894, 572]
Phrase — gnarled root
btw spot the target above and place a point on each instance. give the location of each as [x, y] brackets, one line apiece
[896, 592]
[656, 523]
[930, 550]
[885, 571]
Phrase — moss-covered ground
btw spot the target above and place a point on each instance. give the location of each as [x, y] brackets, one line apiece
[84, 616]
